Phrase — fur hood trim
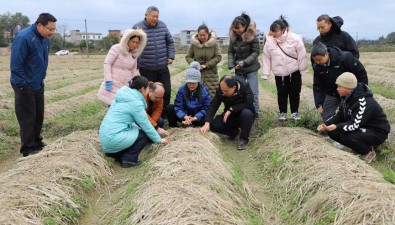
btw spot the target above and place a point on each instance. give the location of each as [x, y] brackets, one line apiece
[247, 36]
[209, 43]
[125, 39]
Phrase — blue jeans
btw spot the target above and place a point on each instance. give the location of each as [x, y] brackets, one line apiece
[252, 79]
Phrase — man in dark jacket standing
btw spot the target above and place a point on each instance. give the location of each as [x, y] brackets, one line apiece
[158, 53]
[29, 62]
[238, 99]
[360, 122]
[332, 35]
[328, 63]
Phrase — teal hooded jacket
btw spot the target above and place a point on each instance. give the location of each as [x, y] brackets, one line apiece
[120, 126]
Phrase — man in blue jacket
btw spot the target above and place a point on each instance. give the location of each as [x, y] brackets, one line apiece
[29, 62]
[158, 53]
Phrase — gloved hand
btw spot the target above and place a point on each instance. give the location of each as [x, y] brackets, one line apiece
[241, 64]
[233, 71]
[108, 85]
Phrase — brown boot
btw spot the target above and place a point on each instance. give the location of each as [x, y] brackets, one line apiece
[368, 158]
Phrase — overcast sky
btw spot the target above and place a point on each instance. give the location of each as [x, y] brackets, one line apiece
[363, 19]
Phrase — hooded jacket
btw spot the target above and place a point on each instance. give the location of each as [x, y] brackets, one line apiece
[337, 37]
[120, 126]
[360, 110]
[160, 46]
[29, 59]
[243, 98]
[192, 106]
[244, 48]
[207, 54]
[120, 65]
[325, 75]
[280, 64]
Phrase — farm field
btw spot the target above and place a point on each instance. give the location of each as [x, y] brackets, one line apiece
[288, 175]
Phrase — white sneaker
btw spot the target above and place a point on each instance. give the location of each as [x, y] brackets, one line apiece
[337, 145]
[295, 116]
[283, 117]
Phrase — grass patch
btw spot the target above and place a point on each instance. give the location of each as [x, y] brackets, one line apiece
[85, 117]
[61, 97]
[385, 91]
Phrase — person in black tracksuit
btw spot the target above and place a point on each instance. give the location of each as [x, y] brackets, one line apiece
[239, 110]
[360, 122]
[332, 35]
[328, 63]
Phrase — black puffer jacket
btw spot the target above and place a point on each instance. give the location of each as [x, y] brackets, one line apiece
[244, 48]
[360, 110]
[241, 99]
[337, 37]
[325, 76]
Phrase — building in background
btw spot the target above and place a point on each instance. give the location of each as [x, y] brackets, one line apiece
[116, 33]
[76, 36]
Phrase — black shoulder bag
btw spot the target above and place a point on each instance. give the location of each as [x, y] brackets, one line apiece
[286, 53]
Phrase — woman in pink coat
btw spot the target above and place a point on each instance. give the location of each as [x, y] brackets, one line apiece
[285, 55]
[120, 65]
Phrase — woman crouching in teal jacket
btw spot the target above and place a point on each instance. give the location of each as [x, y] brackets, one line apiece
[124, 130]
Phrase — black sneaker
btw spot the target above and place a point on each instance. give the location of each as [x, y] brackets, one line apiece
[243, 144]
[128, 164]
[40, 145]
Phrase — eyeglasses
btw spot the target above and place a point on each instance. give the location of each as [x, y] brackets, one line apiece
[50, 30]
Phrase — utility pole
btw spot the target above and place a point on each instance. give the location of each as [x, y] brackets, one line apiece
[86, 40]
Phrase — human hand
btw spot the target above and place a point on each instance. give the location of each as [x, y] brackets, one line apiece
[187, 121]
[164, 141]
[202, 67]
[226, 115]
[232, 71]
[320, 109]
[169, 61]
[265, 77]
[204, 129]
[162, 132]
[108, 85]
[241, 64]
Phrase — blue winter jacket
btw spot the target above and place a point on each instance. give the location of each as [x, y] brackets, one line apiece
[159, 48]
[29, 59]
[192, 107]
[119, 130]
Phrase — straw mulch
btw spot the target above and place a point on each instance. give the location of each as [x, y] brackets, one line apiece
[49, 186]
[390, 145]
[315, 183]
[189, 183]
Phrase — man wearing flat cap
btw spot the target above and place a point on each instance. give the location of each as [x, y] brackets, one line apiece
[360, 123]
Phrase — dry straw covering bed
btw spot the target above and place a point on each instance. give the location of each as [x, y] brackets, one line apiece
[189, 183]
[49, 187]
[316, 183]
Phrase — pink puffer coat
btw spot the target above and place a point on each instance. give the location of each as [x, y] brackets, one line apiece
[120, 65]
[280, 64]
